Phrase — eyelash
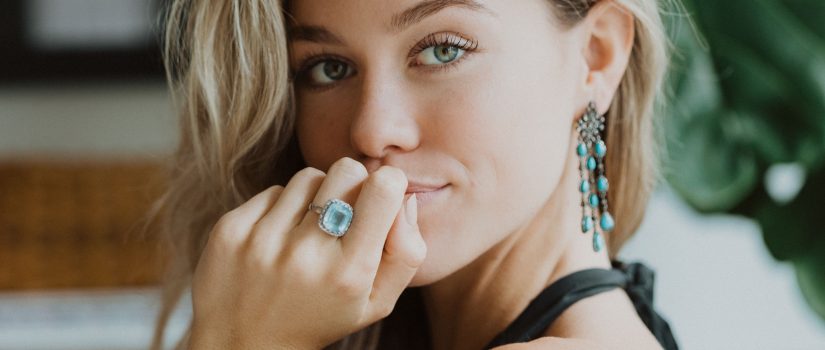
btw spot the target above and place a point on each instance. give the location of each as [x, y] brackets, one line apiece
[452, 39]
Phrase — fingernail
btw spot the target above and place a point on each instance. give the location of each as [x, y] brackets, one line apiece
[412, 210]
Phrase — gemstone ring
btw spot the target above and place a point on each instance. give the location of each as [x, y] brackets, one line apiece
[335, 216]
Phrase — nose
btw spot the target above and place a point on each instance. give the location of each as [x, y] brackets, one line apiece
[384, 120]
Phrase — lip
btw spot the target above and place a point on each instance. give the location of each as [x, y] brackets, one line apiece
[414, 187]
[426, 194]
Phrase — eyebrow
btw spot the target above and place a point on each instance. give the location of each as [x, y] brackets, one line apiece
[399, 22]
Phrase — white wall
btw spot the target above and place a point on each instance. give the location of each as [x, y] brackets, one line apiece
[717, 284]
[86, 120]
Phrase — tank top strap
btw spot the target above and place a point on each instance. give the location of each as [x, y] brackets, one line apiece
[553, 300]
[635, 278]
[639, 288]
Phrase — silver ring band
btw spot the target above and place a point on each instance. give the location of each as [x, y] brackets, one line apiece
[316, 208]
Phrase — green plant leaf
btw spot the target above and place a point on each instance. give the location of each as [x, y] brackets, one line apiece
[810, 275]
[792, 229]
[749, 92]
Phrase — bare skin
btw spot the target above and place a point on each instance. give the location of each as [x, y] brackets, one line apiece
[376, 124]
[469, 320]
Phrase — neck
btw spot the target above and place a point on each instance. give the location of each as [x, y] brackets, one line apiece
[468, 308]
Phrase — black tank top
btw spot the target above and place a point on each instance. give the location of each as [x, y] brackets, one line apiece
[635, 278]
[407, 326]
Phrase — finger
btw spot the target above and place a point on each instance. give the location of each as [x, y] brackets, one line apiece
[268, 200]
[375, 210]
[404, 252]
[343, 181]
[248, 213]
[271, 230]
[234, 227]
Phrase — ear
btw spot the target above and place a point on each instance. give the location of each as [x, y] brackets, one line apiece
[608, 34]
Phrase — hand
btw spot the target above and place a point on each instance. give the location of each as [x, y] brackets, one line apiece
[270, 277]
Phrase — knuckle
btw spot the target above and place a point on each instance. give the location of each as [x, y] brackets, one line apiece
[411, 258]
[348, 288]
[384, 308]
[388, 180]
[229, 229]
[223, 243]
[259, 257]
[256, 263]
[419, 254]
[349, 167]
[276, 191]
[357, 271]
[416, 258]
[308, 173]
[299, 266]
[348, 285]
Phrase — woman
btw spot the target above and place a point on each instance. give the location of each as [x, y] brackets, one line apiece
[412, 173]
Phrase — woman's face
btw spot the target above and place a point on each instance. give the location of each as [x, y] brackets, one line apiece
[479, 96]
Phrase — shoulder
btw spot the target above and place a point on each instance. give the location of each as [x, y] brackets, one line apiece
[608, 320]
[556, 343]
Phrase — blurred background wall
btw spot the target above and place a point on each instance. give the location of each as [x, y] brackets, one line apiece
[80, 144]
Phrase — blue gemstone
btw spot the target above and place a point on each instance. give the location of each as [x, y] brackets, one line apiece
[598, 241]
[602, 184]
[585, 186]
[594, 200]
[601, 149]
[606, 222]
[591, 163]
[581, 150]
[587, 224]
[336, 217]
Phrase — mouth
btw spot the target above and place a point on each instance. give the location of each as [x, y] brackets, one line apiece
[426, 194]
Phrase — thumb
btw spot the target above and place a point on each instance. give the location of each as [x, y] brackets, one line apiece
[404, 252]
[413, 231]
[411, 211]
[404, 240]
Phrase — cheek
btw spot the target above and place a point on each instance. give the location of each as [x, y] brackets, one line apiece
[511, 128]
[511, 132]
[534, 123]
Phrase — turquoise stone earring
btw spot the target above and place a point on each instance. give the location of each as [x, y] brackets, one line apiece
[593, 185]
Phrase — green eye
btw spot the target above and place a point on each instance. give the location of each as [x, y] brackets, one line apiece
[326, 72]
[439, 54]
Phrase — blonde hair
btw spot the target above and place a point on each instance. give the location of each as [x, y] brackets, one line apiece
[227, 67]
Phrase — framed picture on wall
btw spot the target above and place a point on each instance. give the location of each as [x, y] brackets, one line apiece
[79, 40]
